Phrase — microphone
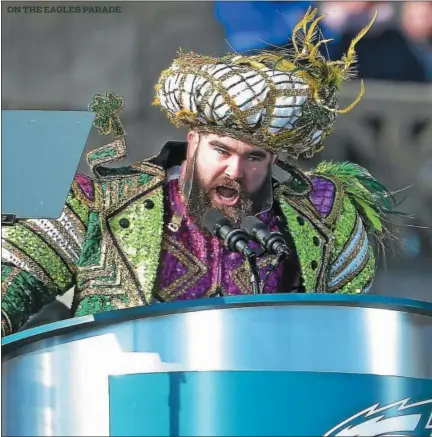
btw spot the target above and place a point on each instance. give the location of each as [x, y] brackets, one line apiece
[235, 239]
[273, 242]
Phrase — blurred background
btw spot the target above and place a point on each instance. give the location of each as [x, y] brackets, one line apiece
[59, 60]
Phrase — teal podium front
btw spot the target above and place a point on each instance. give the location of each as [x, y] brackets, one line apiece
[279, 365]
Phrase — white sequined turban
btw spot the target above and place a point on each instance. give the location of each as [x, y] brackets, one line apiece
[281, 101]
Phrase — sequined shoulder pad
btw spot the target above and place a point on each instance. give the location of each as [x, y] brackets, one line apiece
[323, 194]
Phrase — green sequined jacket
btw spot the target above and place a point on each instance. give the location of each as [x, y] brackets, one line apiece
[88, 249]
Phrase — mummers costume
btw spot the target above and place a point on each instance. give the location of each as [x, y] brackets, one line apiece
[127, 236]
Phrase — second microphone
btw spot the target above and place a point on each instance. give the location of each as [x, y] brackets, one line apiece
[272, 242]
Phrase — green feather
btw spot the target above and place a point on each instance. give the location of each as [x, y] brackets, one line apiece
[372, 199]
[371, 214]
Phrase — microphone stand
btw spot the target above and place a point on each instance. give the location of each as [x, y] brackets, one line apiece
[281, 257]
[251, 257]
[235, 240]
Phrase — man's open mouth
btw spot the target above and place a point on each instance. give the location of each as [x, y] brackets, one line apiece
[227, 195]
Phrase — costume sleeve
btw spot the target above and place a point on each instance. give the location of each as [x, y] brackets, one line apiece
[361, 224]
[352, 269]
[39, 257]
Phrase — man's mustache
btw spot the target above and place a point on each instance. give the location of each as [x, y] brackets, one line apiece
[230, 183]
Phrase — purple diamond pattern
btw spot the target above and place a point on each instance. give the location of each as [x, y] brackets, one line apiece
[323, 195]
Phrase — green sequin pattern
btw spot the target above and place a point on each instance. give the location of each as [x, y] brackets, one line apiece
[344, 227]
[144, 179]
[97, 304]
[91, 249]
[79, 208]
[121, 187]
[107, 108]
[109, 152]
[103, 281]
[124, 187]
[6, 271]
[34, 246]
[141, 240]
[310, 255]
[103, 195]
[25, 296]
[363, 279]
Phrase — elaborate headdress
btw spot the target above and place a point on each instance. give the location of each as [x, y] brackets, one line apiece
[284, 101]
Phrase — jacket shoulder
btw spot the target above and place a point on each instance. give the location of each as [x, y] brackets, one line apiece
[361, 207]
[370, 198]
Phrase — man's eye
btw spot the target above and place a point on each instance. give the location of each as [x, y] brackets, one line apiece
[222, 152]
[255, 158]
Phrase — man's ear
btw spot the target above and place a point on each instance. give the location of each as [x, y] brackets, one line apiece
[190, 135]
[192, 139]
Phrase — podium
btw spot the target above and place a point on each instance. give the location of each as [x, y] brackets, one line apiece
[268, 365]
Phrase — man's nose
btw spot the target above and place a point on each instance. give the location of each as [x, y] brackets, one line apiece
[235, 169]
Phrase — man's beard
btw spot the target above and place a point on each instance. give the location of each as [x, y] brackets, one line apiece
[200, 199]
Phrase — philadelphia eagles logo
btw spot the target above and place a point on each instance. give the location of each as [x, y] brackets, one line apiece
[401, 418]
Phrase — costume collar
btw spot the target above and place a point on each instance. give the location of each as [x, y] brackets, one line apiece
[172, 154]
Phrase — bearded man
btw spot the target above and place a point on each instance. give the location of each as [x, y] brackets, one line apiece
[134, 235]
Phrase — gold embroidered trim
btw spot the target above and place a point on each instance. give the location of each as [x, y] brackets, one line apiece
[195, 269]
[138, 193]
[80, 195]
[338, 203]
[120, 152]
[241, 274]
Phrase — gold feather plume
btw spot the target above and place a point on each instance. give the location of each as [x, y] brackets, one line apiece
[305, 60]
